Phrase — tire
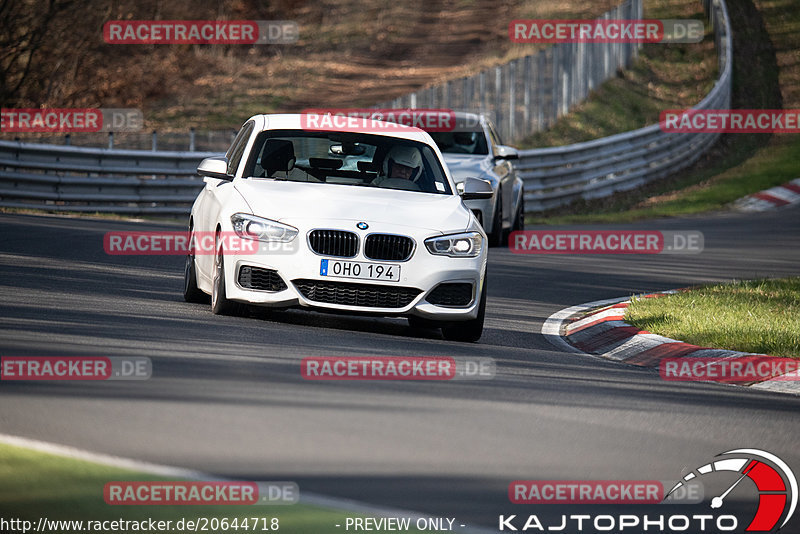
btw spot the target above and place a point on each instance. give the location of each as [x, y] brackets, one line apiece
[190, 291]
[220, 305]
[468, 331]
[519, 219]
[496, 237]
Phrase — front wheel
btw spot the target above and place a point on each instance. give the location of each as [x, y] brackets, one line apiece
[220, 304]
[496, 235]
[468, 331]
[519, 220]
[190, 291]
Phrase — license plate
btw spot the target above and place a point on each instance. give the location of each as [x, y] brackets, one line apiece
[360, 270]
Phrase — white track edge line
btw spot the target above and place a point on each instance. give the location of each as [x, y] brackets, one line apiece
[551, 330]
[312, 499]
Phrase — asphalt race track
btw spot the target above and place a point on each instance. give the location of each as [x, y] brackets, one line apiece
[226, 396]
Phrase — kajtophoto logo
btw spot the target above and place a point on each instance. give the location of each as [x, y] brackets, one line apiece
[741, 490]
[773, 485]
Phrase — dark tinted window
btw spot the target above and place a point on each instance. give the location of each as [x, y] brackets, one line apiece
[461, 142]
[343, 159]
[236, 150]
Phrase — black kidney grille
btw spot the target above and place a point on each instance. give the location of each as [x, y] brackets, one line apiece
[261, 279]
[456, 294]
[388, 247]
[337, 243]
[349, 294]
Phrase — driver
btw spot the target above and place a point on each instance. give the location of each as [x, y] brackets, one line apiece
[466, 141]
[404, 162]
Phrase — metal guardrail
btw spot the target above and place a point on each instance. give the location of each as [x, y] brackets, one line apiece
[190, 140]
[530, 93]
[66, 178]
[96, 180]
[560, 175]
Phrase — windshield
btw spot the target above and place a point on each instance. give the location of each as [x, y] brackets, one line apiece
[473, 142]
[347, 159]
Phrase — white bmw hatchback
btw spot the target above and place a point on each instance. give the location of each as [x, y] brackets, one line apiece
[346, 215]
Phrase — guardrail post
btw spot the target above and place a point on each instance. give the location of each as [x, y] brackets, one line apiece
[498, 97]
[191, 139]
[67, 140]
[541, 66]
[155, 141]
[110, 140]
[526, 99]
[512, 97]
[556, 78]
[482, 90]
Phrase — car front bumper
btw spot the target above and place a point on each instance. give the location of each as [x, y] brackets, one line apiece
[303, 284]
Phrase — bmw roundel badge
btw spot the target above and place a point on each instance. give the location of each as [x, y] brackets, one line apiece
[362, 226]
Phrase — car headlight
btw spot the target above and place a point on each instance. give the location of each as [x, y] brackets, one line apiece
[466, 245]
[260, 229]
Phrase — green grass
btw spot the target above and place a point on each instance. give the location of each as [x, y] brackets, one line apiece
[35, 484]
[759, 316]
[665, 76]
[766, 75]
[713, 188]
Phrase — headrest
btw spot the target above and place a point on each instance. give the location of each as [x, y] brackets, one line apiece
[277, 155]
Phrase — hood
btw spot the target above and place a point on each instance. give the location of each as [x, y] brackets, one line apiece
[464, 166]
[287, 201]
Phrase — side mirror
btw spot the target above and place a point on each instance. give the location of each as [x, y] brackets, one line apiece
[216, 167]
[505, 152]
[476, 189]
